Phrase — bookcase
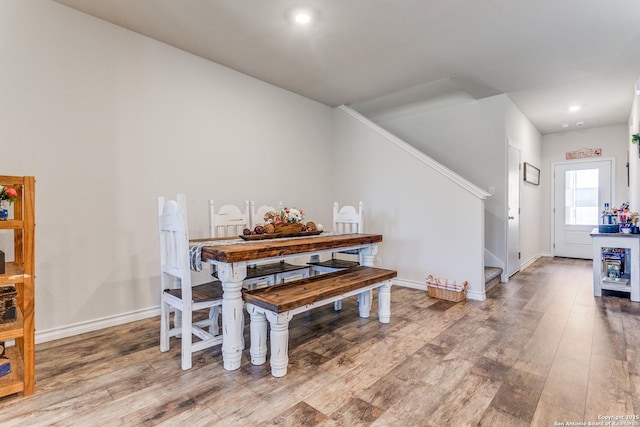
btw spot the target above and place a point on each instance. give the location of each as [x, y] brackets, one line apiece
[20, 273]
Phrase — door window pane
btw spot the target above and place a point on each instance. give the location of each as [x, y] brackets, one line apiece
[581, 197]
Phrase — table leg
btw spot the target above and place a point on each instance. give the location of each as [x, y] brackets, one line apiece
[368, 260]
[369, 255]
[232, 276]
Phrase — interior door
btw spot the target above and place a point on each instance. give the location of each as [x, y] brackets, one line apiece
[580, 192]
[513, 210]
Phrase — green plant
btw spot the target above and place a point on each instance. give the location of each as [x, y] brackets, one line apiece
[8, 193]
[635, 138]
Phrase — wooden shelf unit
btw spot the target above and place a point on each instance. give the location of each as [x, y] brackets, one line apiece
[20, 272]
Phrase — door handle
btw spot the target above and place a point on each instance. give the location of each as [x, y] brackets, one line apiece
[512, 217]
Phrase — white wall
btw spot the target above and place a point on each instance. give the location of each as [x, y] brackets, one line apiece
[614, 141]
[522, 134]
[469, 138]
[107, 120]
[429, 223]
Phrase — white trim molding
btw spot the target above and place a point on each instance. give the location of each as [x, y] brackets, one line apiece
[552, 174]
[530, 261]
[422, 286]
[96, 324]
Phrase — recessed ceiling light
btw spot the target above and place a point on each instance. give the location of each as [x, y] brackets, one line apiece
[302, 18]
[565, 125]
[580, 124]
[574, 108]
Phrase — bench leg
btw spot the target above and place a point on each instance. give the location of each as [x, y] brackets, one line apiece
[364, 304]
[384, 303]
[279, 345]
[258, 328]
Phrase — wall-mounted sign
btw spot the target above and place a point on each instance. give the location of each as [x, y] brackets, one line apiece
[584, 152]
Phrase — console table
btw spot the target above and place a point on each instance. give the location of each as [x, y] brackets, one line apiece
[631, 244]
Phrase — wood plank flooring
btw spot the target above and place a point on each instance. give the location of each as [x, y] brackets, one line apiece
[540, 351]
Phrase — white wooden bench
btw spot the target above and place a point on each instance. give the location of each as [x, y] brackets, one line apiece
[278, 304]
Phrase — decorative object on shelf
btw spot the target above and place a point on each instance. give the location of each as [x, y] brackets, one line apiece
[1, 262]
[635, 139]
[618, 220]
[5, 366]
[531, 174]
[5, 363]
[583, 152]
[8, 195]
[8, 310]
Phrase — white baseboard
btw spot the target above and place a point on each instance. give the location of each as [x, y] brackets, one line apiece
[530, 261]
[474, 295]
[96, 324]
[422, 286]
[477, 296]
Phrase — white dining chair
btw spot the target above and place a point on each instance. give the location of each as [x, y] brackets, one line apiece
[346, 220]
[177, 292]
[230, 221]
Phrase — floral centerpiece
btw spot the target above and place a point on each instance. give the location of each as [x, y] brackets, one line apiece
[286, 220]
[284, 216]
[283, 222]
[8, 195]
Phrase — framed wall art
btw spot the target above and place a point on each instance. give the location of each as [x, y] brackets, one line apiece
[531, 174]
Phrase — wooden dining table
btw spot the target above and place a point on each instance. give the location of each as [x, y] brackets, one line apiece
[232, 257]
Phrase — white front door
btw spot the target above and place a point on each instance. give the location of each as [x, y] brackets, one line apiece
[580, 192]
[513, 211]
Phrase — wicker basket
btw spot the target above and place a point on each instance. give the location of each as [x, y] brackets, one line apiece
[447, 294]
[436, 289]
[8, 310]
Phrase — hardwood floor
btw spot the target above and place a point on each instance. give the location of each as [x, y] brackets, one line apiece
[540, 351]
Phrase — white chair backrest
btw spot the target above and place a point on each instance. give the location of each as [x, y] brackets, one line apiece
[174, 241]
[229, 221]
[347, 220]
[257, 215]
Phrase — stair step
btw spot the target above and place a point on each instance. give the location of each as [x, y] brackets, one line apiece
[491, 277]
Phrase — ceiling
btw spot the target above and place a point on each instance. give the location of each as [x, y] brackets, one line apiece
[376, 54]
